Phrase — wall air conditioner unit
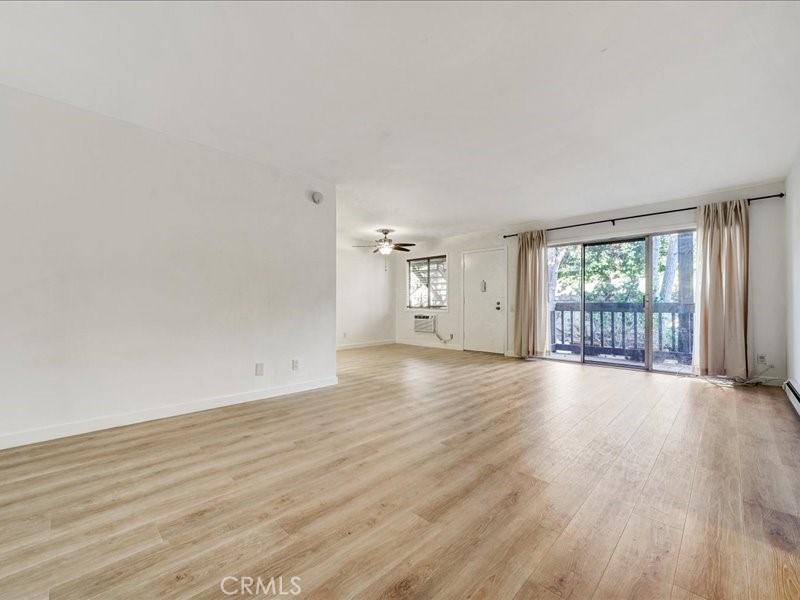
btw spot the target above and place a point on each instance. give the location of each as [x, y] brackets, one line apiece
[424, 323]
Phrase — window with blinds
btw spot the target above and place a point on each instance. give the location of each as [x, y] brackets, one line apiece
[427, 282]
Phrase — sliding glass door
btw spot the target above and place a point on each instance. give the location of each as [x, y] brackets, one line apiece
[564, 301]
[626, 302]
[615, 275]
[673, 301]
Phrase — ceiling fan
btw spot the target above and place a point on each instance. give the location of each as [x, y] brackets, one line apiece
[385, 245]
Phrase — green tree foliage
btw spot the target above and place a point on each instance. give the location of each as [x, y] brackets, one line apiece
[615, 272]
[564, 264]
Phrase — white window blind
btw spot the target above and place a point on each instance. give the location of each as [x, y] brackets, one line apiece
[427, 282]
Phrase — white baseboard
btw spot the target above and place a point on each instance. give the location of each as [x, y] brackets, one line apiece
[792, 399]
[31, 436]
[774, 381]
[363, 344]
[434, 344]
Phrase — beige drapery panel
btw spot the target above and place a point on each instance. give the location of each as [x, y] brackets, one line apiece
[723, 249]
[530, 325]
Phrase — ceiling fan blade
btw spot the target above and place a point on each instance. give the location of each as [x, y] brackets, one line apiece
[404, 244]
[400, 248]
[376, 249]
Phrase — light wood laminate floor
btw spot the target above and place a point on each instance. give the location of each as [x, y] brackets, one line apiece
[425, 473]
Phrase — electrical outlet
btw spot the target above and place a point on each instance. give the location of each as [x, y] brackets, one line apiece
[259, 369]
[762, 359]
[295, 364]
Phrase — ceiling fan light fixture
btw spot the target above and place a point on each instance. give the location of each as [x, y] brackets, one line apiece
[386, 245]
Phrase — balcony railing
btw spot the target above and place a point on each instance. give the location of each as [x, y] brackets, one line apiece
[618, 329]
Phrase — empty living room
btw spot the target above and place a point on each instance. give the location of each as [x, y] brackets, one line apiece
[401, 300]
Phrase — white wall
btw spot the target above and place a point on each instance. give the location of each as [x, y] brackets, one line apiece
[365, 310]
[793, 274]
[450, 320]
[768, 289]
[144, 276]
[767, 265]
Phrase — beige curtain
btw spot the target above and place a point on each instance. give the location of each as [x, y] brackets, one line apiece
[530, 325]
[722, 285]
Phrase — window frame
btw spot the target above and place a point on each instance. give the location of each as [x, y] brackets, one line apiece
[428, 307]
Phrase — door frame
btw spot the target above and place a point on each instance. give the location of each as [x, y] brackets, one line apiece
[504, 249]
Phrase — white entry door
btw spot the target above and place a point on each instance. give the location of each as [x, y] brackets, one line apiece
[485, 300]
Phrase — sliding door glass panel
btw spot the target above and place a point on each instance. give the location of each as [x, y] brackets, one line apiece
[614, 310]
[673, 301]
[564, 301]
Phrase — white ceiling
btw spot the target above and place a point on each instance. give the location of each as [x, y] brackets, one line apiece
[442, 118]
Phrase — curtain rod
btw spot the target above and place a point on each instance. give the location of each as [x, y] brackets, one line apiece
[652, 214]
